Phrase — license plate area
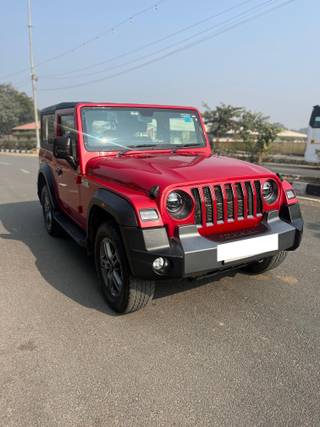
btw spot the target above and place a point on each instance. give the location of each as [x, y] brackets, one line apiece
[240, 249]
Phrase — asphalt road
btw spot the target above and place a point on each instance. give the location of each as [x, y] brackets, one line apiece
[239, 351]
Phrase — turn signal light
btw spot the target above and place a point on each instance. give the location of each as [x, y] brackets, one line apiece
[149, 215]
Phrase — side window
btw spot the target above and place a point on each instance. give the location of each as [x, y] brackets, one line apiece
[316, 122]
[315, 118]
[66, 124]
[47, 131]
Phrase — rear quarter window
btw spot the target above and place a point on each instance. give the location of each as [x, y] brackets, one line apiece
[47, 131]
[315, 118]
[65, 124]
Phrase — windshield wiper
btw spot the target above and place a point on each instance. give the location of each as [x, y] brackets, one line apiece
[146, 146]
[187, 146]
[133, 147]
[171, 147]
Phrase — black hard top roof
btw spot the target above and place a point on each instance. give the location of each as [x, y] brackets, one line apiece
[59, 106]
[64, 105]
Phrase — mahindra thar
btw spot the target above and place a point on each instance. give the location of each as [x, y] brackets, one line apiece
[139, 188]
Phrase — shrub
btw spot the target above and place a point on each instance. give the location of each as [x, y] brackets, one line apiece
[18, 145]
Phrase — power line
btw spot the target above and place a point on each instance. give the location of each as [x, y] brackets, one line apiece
[227, 21]
[187, 46]
[152, 43]
[22, 82]
[127, 20]
[103, 33]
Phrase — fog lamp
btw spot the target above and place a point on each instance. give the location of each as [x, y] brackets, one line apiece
[160, 264]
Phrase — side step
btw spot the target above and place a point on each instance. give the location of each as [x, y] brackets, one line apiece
[71, 228]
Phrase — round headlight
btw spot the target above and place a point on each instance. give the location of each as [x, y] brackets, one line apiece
[174, 202]
[179, 204]
[270, 191]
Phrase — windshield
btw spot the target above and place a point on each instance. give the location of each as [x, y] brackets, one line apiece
[117, 128]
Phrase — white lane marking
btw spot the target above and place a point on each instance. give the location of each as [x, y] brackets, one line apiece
[24, 171]
[309, 198]
[4, 163]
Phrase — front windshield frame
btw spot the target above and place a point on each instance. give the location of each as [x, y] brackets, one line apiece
[191, 115]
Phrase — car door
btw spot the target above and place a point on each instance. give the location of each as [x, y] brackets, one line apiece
[67, 173]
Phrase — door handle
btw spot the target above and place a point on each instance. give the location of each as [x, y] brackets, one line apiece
[59, 171]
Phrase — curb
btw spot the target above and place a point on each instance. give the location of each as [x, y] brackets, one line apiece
[15, 150]
[303, 188]
[8, 151]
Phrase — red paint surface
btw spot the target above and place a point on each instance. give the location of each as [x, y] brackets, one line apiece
[133, 174]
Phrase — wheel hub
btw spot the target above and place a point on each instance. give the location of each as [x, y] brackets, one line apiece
[111, 267]
[47, 211]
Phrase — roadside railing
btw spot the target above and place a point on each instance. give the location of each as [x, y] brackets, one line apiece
[17, 145]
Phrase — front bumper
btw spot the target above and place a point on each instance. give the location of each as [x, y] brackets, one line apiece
[191, 254]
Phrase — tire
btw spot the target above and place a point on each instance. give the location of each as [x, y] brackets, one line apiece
[265, 264]
[122, 292]
[51, 225]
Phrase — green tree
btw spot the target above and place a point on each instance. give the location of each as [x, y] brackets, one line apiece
[280, 125]
[15, 108]
[221, 120]
[257, 133]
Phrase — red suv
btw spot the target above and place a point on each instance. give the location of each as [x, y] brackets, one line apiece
[138, 187]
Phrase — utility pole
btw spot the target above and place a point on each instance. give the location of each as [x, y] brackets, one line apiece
[33, 76]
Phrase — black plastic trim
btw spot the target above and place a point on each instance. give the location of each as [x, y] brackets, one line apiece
[191, 254]
[115, 205]
[144, 245]
[292, 215]
[71, 228]
[47, 174]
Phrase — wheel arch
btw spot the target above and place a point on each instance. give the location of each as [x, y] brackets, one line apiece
[45, 178]
[108, 206]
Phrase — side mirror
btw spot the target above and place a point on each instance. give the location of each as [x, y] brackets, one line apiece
[63, 149]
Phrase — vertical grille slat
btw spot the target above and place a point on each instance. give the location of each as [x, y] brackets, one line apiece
[219, 199]
[197, 209]
[240, 198]
[250, 197]
[258, 195]
[230, 203]
[208, 204]
[227, 202]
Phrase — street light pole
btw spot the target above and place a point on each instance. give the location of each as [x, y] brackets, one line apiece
[33, 76]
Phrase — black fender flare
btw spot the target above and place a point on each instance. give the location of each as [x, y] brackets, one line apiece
[115, 205]
[45, 173]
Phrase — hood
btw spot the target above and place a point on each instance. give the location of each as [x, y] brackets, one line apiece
[145, 171]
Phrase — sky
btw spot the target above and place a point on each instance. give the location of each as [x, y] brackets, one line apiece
[270, 63]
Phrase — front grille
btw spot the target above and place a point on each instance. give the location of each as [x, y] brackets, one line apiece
[197, 209]
[258, 194]
[230, 202]
[227, 202]
[240, 200]
[220, 204]
[208, 204]
[250, 198]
